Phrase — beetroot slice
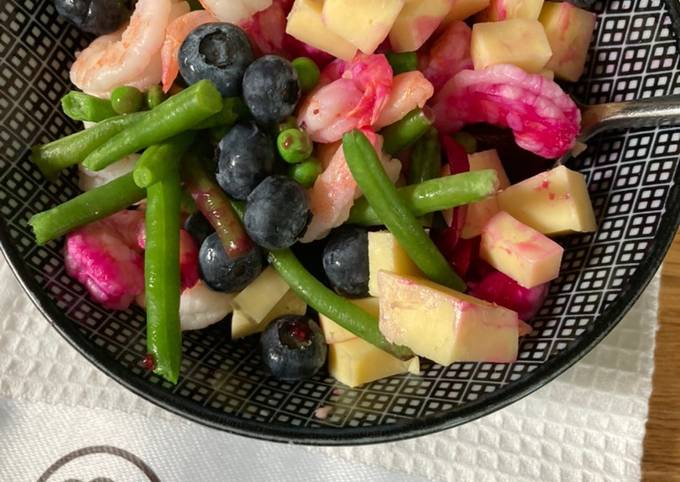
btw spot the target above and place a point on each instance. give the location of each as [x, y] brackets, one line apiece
[499, 288]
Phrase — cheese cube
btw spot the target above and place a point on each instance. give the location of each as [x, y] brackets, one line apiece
[335, 333]
[444, 325]
[519, 41]
[417, 22]
[569, 30]
[553, 202]
[384, 252]
[506, 9]
[260, 296]
[363, 23]
[463, 9]
[305, 23]
[356, 362]
[479, 213]
[290, 304]
[521, 252]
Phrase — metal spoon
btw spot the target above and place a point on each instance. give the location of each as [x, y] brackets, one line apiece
[650, 112]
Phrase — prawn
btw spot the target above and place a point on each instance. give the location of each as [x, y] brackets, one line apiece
[200, 307]
[449, 54]
[130, 56]
[234, 11]
[335, 190]
[351, 95]
[543, 118]
[409, 90]
[175, 34]
[91, 179]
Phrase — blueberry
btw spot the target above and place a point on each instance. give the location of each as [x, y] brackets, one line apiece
[198, 227]
[245, 157]
[223, 273]
[345, 261]
[271, 89]
[95, 16]
[277, 213]
[293, 347]
[219, 52]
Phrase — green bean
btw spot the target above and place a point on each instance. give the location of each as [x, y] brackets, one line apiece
[233, 109]
[83, 107]
[305, 172]
[325, 301]
[294, 145]
[426, 158]
[159, 161]
[308, 73]
[154, 97]
[86, 208]
[162, 274]
[405, 132]
[68, 151]
[127, 100]
[175, 115]
[434, 195]
[215, 206]
[381, 194]
[466, 140]
[402, 62]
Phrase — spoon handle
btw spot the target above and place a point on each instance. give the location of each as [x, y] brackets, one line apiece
[650, 112]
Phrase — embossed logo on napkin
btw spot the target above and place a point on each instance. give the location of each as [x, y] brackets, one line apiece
[100, 463]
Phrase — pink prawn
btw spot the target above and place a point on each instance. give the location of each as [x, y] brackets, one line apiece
[409, 90]
[175, 34]
[543, 118]
[335, 190]
[352, 95]
[448, 55]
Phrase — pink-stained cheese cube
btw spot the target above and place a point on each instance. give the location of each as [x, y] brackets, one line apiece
[444, 325]
[416, 22]
[569, 30]
[505, 9]
[521, 252]
[479, 213]
[463, 9]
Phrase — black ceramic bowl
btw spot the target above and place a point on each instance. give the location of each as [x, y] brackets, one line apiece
[633, 180]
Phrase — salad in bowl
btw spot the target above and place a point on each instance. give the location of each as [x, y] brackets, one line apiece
[314, 171]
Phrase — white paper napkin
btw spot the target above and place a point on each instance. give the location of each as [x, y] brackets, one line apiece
[587, 425]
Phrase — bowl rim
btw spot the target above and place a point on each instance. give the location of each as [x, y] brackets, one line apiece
[411, 428]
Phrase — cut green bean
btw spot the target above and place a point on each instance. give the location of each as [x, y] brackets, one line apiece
[402, 62]
[426, 158]
[162, 274]
[305, 172]
[160, 161]
[434, 195]
[68, 151]
[154, 97]
[127, 100]
[86, 208]
[308, 73]
[215, 206]
[405, 132]
[325, 301]
[466, 140]
[172, 117]
[83, 107]
[233, 109]
[381, 194]
[294, 145]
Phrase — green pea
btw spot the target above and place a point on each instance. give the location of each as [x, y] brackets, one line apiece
[154, 97]
[308, 73]
[294, 145]
[126, 100]
[289, 123]
[305, 172]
